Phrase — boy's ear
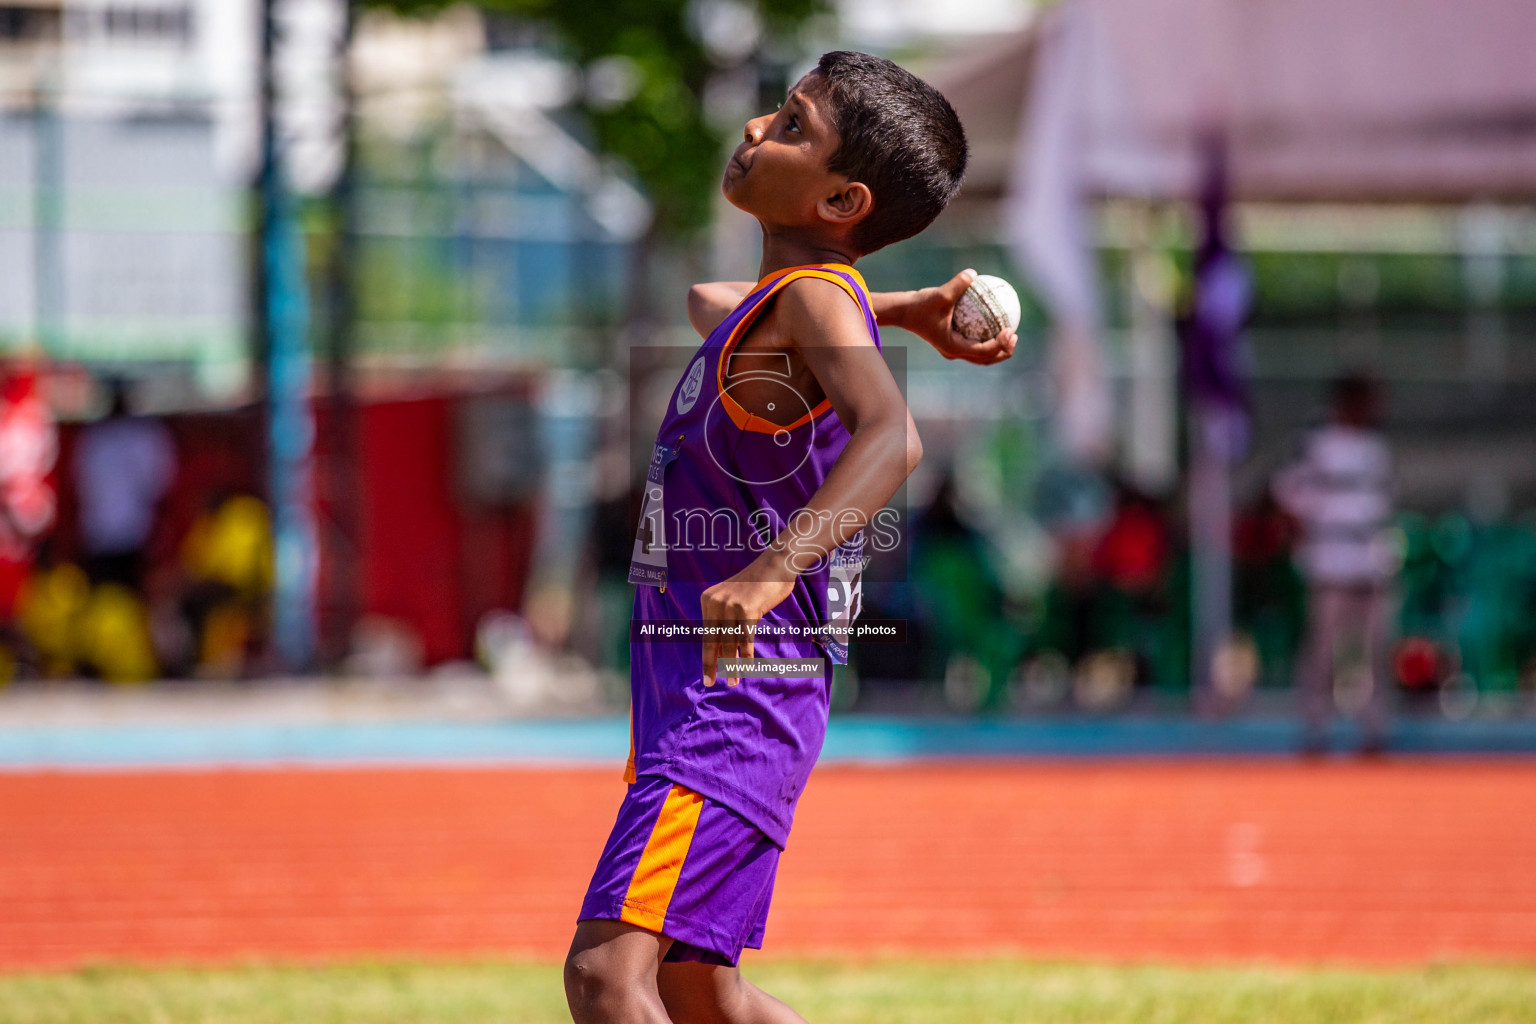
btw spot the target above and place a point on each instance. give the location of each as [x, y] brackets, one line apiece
[849, 205]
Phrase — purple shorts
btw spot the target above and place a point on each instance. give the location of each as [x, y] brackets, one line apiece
[688, 868]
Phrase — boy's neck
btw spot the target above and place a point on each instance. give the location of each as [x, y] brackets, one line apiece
[782, 250]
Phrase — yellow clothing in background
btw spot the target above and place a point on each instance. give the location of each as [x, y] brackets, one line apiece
[232, 545]
[50, 603]
[114, 638]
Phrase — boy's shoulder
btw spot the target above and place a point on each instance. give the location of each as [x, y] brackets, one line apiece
[823, 308]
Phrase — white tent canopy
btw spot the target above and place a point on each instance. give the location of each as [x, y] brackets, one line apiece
[1370, 100]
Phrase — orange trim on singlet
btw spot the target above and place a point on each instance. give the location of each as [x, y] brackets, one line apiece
[743, 419]
[629, 766]
[661, 863]
[846, 268]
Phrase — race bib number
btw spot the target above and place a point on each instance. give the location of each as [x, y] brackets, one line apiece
[648, 561]
[844, 595]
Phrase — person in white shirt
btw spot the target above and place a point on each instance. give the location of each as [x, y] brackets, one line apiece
[1341, 493]
[123, 467]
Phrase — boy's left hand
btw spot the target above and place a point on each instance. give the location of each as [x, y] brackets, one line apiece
[928, 314]
[739, 602]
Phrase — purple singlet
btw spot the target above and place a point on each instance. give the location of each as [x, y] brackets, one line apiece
[722, 482]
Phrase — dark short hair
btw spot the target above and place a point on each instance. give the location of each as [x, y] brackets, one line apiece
[899, 136]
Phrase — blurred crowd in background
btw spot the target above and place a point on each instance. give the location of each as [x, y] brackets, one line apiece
[325, 324]
[122, 563]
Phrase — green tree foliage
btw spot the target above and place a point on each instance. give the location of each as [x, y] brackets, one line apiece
[660, 130]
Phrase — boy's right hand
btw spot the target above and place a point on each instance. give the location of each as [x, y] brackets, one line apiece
[929, 314]
[738, 604]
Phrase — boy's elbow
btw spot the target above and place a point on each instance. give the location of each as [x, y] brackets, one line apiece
[698, 304]
[914, 448]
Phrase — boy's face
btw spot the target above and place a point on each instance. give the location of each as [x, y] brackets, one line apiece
[779, 172]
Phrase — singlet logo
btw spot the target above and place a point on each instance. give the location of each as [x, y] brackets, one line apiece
[692, 385]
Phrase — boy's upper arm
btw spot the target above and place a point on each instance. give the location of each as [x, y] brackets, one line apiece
[828, 328]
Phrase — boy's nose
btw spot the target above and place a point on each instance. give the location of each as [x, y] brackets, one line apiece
[754, 130]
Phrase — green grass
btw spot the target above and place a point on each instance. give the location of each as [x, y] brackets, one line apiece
[885, 991]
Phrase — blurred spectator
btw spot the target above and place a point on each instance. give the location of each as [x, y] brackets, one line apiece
[123, 467]
[1131, 581]
[71, 627]
[1270, 597]
[48, 610]
[969, 639]
[1074, 505]
[28, 450]
[1340, 491]
[1132, 555]
[113, 636]
[227, 556]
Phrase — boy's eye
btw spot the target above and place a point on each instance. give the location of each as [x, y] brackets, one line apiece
[794, 123]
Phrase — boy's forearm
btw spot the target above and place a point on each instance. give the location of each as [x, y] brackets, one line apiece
[873, 466]
[892, 309]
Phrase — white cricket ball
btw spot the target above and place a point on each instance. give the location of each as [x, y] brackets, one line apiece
[988, 306]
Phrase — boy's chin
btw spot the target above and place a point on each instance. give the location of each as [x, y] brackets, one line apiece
[733, 195]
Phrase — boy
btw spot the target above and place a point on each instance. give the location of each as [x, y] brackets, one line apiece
[785, 436]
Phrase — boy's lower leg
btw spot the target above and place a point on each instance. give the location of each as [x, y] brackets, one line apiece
[610, 974]
[697, 993]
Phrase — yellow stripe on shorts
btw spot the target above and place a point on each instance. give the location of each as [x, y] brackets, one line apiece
[650, 891]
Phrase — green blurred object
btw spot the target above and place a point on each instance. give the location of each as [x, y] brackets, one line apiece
[1471, 588]
[1153, 626]
[660, 131]
[962, 610]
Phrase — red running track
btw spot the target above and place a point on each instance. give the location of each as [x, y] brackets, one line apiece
[1379, 863]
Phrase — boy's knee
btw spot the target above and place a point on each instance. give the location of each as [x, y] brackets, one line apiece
[601, 986]
[592, 981]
